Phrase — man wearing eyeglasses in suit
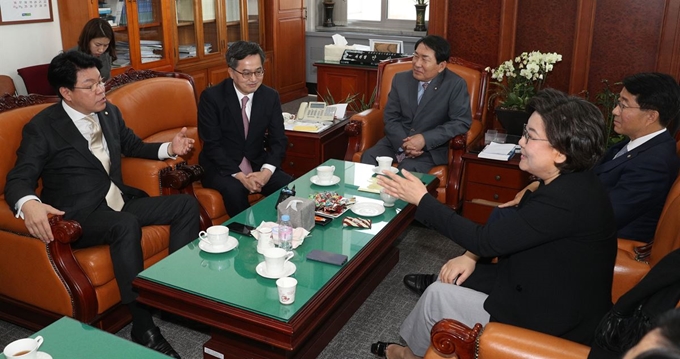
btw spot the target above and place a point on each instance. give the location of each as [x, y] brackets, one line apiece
[235, 119]
[75, 148]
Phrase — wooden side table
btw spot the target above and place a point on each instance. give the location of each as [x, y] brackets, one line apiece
[307, 150]
[341, 80]
[488, 183]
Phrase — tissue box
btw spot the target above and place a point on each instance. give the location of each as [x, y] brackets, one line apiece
[334, 52]
[300, 210]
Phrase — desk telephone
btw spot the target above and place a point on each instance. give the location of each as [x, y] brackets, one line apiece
[315, 111]
[373, 58]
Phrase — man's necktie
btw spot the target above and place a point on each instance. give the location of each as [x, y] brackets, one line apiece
[245, 164]
[621, 152]
[113, 198]
[421, 92]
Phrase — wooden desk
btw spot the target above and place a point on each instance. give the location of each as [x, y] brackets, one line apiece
[342, 80]
[307, 150]
[488, 183]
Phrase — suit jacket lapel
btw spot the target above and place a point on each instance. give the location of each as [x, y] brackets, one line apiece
[609, 162]
[64, 126]
[427, 95]
[109, 134]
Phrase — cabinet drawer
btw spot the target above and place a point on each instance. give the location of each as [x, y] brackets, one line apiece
[476, 212]
[496, 176]
[301, 146]
[490, 193]
[297, 166]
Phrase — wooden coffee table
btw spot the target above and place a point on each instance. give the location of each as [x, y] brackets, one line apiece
[224, 291]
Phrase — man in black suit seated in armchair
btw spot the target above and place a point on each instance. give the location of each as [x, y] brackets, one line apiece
[75, 147]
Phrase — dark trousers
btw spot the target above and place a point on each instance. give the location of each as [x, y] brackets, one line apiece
[421, 164]
[235, 195]
[122, 231]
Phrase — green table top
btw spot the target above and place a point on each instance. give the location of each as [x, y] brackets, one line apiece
[70, 339]
[230, 278]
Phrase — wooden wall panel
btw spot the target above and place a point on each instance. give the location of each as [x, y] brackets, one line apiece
[598, 39]
[474, 30]
[548, 31]
[626, 39]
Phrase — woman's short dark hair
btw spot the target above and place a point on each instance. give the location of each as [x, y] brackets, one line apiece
[97, 28]
[574, 126]
[438, 44]
[63, 70]
[239, 50]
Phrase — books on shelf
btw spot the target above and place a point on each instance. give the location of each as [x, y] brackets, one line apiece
[498, 151]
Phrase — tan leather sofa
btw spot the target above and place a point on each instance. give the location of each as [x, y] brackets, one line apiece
[157, 118]
[367, 127]
[40, 283]
[496, 340]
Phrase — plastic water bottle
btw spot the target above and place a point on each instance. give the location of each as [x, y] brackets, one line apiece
[286, 233]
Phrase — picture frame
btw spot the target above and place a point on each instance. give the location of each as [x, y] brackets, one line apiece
[393, 46]
[22, 12]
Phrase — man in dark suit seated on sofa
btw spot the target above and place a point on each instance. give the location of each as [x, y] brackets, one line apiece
[235, 118]
[426, 107]
[75, 147]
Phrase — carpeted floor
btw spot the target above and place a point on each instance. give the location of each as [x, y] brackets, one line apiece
[422, 250]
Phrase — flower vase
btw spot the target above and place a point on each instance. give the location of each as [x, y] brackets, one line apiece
[328, 14]
[513, 121]
[420, 18]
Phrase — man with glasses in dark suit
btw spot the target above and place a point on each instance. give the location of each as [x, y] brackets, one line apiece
[241, 125]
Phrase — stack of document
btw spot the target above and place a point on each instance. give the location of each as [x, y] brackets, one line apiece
[498, 151]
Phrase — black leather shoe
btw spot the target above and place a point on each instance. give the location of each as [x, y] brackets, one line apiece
[419, 282]
[153, 339]
[380, 348]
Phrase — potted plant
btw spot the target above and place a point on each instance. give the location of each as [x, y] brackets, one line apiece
[421, 5]
[517, 81]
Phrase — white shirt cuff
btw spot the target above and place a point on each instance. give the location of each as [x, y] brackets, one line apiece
[163, 152]
[20, 204]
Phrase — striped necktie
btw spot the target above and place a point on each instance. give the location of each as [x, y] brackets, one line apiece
[245, 164]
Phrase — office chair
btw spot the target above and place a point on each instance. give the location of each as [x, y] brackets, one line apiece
[35, 79]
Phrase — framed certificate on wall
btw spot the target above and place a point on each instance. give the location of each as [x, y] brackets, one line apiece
[21, 11]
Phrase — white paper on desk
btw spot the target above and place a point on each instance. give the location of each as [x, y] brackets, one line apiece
[362, 47]
[339, 40]
[340, 109]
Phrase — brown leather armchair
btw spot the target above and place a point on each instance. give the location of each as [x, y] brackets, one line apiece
[498, 340]
[156, 105]
[40, 283]
[366, 128]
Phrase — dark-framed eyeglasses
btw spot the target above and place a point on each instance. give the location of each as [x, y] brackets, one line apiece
[92, 87]
[526, 136]
[249, 74]
[623, 106]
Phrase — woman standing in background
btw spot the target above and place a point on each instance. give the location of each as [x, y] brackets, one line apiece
[97, 39]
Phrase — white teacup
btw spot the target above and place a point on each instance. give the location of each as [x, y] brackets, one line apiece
[275, 259]
[388, 199]
[325, 173]
[286, 287]
[384, 163]
[264, 239]
[215, 236]
[26, 348]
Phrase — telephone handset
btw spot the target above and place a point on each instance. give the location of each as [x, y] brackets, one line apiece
[315, 111]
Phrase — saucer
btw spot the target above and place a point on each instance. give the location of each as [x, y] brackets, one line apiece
[231, 244]
[288, 269]
[43, 355]
[393, 169]
[368, 209]
[315, 179]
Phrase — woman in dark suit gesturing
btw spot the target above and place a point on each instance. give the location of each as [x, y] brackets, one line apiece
[555, 253]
